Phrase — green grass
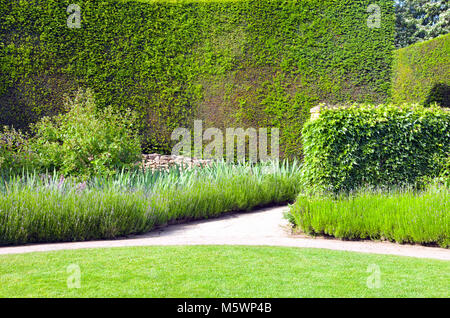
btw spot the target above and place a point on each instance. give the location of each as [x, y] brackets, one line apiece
[47, 209]
[211, 271]
[404, 216]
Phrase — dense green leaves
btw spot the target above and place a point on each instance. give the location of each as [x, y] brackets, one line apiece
[422, 73]
[377, 146]
[83, 141]
[15, 152]
[419, 20]
[248, 63]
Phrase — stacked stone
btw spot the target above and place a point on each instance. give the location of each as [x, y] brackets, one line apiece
[165, 162]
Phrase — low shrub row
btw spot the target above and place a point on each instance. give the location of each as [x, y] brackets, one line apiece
[36, 208]
[403, 216]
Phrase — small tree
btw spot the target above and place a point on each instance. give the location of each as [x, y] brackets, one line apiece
[86, 141]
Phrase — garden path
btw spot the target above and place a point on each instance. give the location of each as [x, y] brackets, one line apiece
[265, 227]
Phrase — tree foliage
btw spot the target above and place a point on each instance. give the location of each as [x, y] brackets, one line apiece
[420, 20]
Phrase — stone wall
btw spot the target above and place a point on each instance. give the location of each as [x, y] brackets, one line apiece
[165, 162]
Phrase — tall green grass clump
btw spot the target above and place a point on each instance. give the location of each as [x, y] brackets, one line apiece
[402, 215]
[49, 208]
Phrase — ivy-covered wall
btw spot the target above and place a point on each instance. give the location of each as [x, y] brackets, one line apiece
[422, 73]
[248, 63]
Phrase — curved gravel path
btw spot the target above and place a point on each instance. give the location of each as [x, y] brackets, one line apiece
[258, 228]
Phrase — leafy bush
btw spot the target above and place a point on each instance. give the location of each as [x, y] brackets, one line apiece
[404, 216]
[51, 208]
[364, 145]
[443, 166]
[421, 73]
[15, 154]
[246, 63]
[84, 141]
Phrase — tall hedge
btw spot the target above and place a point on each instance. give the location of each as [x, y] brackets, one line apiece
[375, 146]
[248, 63]
[422, 73]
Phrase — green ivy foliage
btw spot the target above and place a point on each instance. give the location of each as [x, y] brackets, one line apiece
[422, 73]
[250, 63]
[387, 145]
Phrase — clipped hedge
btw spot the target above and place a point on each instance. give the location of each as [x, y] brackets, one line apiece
[248, 63]
[422, 73]
[375, 146]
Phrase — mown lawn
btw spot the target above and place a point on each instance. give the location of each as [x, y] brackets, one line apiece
[225, 271]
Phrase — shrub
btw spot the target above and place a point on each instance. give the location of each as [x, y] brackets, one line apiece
[15, 154]
[443, 166]
[403, 216]
[421, 73]
[364, 145]
[246, 63]
[83, 141]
